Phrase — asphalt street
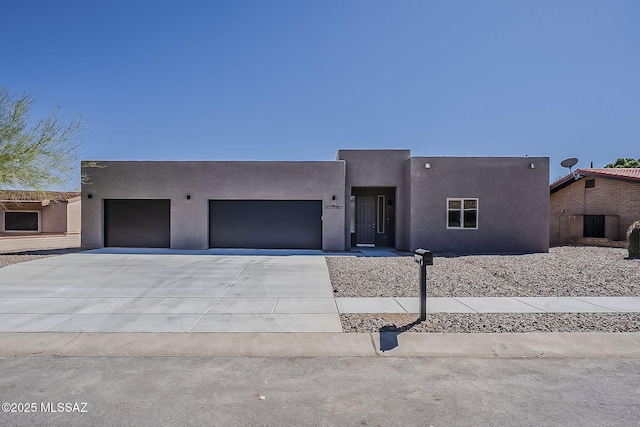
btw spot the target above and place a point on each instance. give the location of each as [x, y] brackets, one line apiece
[362, 391]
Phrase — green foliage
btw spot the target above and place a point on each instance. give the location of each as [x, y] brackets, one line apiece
[40, 154]
[633, 234]
[624, 163]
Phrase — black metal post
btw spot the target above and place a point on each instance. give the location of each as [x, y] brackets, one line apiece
[423, 291]
[423, 257]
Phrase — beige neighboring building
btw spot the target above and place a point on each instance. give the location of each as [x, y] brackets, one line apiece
[594, 206]
[30, 220]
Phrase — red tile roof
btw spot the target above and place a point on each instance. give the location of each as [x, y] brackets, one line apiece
[627, 174]
[632, 173]
[38, 196]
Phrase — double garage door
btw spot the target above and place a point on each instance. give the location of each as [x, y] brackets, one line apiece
[265, 224]
[259, 224]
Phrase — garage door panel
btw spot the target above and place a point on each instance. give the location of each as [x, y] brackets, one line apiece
[137, 223]
[268, 224]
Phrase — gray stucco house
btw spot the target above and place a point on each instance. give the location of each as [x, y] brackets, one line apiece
[364, 197]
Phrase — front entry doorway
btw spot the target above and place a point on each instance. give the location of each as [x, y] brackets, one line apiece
[366, 226]
[373, 214]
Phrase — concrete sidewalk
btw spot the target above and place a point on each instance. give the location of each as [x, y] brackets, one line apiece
[406, 344]
[492, 305]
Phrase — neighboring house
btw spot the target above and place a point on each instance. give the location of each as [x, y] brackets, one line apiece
[594, 206]
[364, 197]
[34, 220]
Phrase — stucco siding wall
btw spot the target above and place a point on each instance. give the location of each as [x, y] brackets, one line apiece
[405, 214]
[513, 203]
[2, 211]
[205, 181]
[379, 168]
[74, 218]
[39, 242]
[608, 197]
[54, 218]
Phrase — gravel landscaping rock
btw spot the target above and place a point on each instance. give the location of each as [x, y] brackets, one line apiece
[15, 258]
[492, 322]
[564, 271]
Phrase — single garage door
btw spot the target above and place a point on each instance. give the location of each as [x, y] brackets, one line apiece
[265, 224]
[137, 223]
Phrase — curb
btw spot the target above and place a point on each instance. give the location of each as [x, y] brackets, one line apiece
[388, 344]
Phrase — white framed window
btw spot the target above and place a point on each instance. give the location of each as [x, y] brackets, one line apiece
[462, 213]
[380, 215]
[21, 221]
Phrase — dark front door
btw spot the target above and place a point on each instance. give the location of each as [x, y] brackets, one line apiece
[365, 220]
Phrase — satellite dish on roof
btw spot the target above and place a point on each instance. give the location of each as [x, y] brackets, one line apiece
[569, 163]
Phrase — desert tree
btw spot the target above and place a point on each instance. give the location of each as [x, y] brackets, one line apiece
[36, 154]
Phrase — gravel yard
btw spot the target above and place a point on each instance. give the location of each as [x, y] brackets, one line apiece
[564, 271]
[8, 259]
[493, 322]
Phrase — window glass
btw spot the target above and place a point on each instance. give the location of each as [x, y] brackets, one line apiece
[470, 204]
[454, 218]
[381, 218]
[21, 221]
[470, 219]
[462, 213]
[353, 214]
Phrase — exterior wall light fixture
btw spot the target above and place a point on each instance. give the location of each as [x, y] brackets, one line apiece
[188, 196]
[532, 166]
[427, 165]
[89, 196]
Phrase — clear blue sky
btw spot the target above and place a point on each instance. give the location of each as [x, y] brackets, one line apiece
[298, 80]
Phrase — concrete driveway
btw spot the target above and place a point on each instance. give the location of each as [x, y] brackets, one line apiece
[168, 291]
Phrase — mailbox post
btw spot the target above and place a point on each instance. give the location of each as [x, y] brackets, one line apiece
[423, 257]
